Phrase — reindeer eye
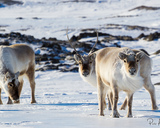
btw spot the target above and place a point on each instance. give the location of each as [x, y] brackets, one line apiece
[124, 61]
[80, 62]
[11, 85]
[137, 60]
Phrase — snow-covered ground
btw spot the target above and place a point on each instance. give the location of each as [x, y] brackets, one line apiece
[63, 99]
[54, 16]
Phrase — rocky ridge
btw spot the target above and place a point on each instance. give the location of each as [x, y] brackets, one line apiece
[53, 54]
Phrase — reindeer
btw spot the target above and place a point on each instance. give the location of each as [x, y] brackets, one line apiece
[123, 69]
[87, 67]
[16, 61]
[124, 105]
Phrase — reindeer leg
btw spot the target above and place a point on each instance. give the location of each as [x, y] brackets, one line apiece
[20, 87]
[115, 113]
[104, 98]
[30, 73]
[109, 103]
[110, 100]
[101, 95]
[9, 101]
[151, 89]
[33, 92]
[0, 97]
[123, 106]
[129, 103]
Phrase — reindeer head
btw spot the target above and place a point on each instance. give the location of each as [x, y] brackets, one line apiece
[131, 61]
[11, 84]
[86, 62]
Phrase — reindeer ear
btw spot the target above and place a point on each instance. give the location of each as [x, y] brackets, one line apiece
[17, 75]
[7, 75]
[77, 58]
[93, 56]
[122, 55]
[139, 55]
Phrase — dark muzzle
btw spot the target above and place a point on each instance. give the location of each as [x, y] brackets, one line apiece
[132, 71]
[85, 73]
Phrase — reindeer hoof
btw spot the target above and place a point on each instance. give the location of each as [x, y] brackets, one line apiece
[109, 108]
[33, 102]
[16, 101]
[155, 108]
[129, 116]
[122, 108]
[9, 102]
[115, 114]
[101, 114]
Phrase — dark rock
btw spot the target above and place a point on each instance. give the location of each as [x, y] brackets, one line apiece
[145, 8]
[128, 27]
[43, 38]
[157, 52]
[125, 38]
[54, 60]
[10, 2]
[57, 55]
[70, 69]
[47, 63]
[5, 42]
[94, 34]
[152, 36]
[73, 38]
[19, 18]
[87, 34]
[52, 39]
[36, 18]
[55, 46]
[41, 58]
[117, 45]
[112, 38]
[141, 36]
[136, 28]
[30, 39]
[83, 17]
[88, 29]
[48, 67]
[107, 37]
[14, 34]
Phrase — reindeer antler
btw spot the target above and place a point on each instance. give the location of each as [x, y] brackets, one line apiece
[94, 44]
[71, 43]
